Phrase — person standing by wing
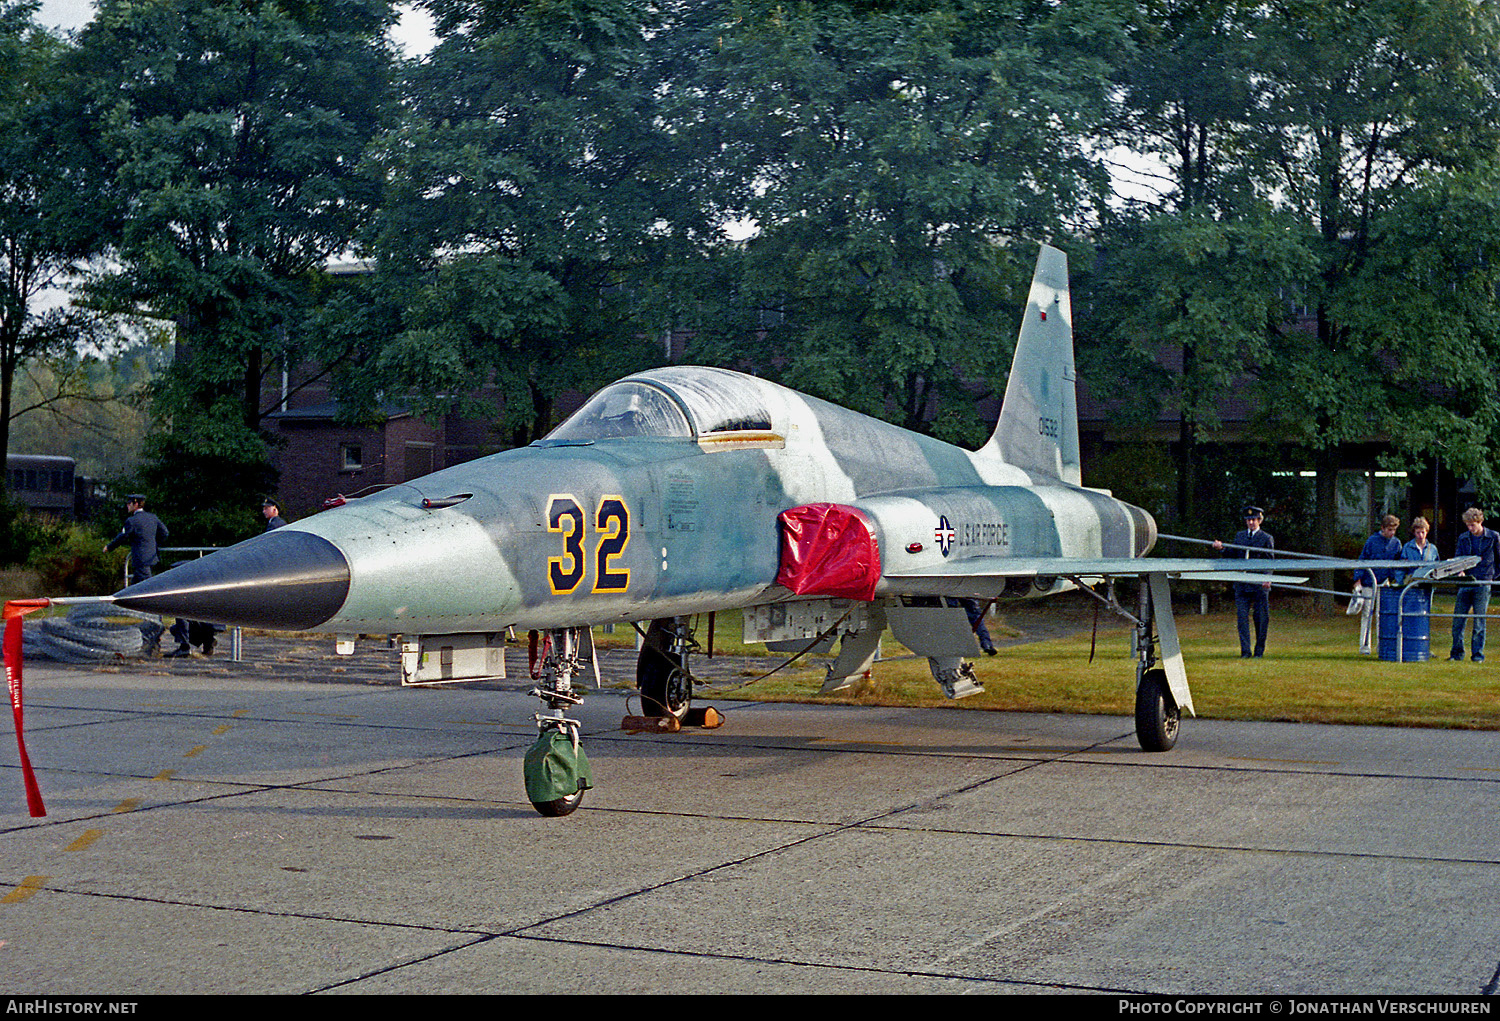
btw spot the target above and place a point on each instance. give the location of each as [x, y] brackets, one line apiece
[1383, 545]
[1474, 598]
[1251, 598]
[1418, 550]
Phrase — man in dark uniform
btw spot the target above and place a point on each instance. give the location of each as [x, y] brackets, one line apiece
[193, 632]
[144, 532]
[272, 513]
[1251, 598]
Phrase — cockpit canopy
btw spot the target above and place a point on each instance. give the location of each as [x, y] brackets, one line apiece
[625, 409]
[678, 402]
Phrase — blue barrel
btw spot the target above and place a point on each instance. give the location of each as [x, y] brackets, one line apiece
[1413, 619]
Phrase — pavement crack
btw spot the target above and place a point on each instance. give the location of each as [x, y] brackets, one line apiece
[833, 829]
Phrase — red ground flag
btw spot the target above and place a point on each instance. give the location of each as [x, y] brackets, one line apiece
[15, 609]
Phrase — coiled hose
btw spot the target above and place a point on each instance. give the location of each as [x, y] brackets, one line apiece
[93, 632]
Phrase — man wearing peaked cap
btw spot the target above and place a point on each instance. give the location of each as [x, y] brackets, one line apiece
[271, 511]
[1251, 599]
[144, 532]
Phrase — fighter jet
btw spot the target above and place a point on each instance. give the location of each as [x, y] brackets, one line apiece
[687, 490]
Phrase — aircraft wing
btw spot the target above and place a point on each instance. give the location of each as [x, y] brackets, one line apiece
[963, 576]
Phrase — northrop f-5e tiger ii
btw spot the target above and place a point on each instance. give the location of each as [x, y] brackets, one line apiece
[686, 490]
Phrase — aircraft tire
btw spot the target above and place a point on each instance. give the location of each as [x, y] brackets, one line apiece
[559, 806]
[665, 686]
[1156, 713]
[667, 693]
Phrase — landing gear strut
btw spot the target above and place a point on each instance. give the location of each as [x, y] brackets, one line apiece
[661, 672]
[1157, 715]
[556, 769]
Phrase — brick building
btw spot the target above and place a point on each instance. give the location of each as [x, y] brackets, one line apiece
[321, 457]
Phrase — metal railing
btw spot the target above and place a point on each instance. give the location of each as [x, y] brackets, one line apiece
[1430, 583]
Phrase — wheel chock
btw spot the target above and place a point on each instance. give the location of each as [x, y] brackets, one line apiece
[707, 717]
[650, 725]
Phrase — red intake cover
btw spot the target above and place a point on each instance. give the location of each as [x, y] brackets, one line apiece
[827, 549]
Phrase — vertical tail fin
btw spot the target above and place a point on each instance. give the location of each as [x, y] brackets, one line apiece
[1038, 427]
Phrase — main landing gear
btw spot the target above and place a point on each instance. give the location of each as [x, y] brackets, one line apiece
[556, 769]
[1157, 715]
[661, 672]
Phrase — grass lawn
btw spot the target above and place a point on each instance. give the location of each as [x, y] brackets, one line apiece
[1313, 672]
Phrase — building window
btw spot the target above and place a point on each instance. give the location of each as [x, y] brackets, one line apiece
[351, 457]
[1366, 496]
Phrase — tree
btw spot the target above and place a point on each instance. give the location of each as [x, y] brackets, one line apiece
[1422, 304]
[1195, 278]
[87, 407]
[229, 141]
[40, 246]
[535, 206]
[889, 155]
[1211, 289]
[1314, 152]
[1186, 86]
[1370, 107]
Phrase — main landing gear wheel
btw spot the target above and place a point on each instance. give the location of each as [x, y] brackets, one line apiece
[661, 672]
[1156, 713]
[667, 694]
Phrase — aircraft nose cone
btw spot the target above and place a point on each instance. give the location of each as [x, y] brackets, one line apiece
[286, 580]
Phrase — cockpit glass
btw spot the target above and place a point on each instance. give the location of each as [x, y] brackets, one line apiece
[624, 409]
[719, 402]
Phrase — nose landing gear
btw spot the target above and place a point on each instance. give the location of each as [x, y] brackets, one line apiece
[556, 770]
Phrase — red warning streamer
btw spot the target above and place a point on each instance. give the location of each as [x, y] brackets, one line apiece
[15, 609]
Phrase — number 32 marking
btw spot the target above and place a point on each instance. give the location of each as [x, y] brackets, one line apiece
[612, 529]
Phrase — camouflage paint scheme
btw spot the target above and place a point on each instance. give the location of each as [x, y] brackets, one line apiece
[699, 521]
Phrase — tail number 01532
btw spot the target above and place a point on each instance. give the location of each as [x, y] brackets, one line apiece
[611, 526]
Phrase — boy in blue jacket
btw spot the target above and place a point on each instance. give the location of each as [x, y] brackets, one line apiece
[1474, 599]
